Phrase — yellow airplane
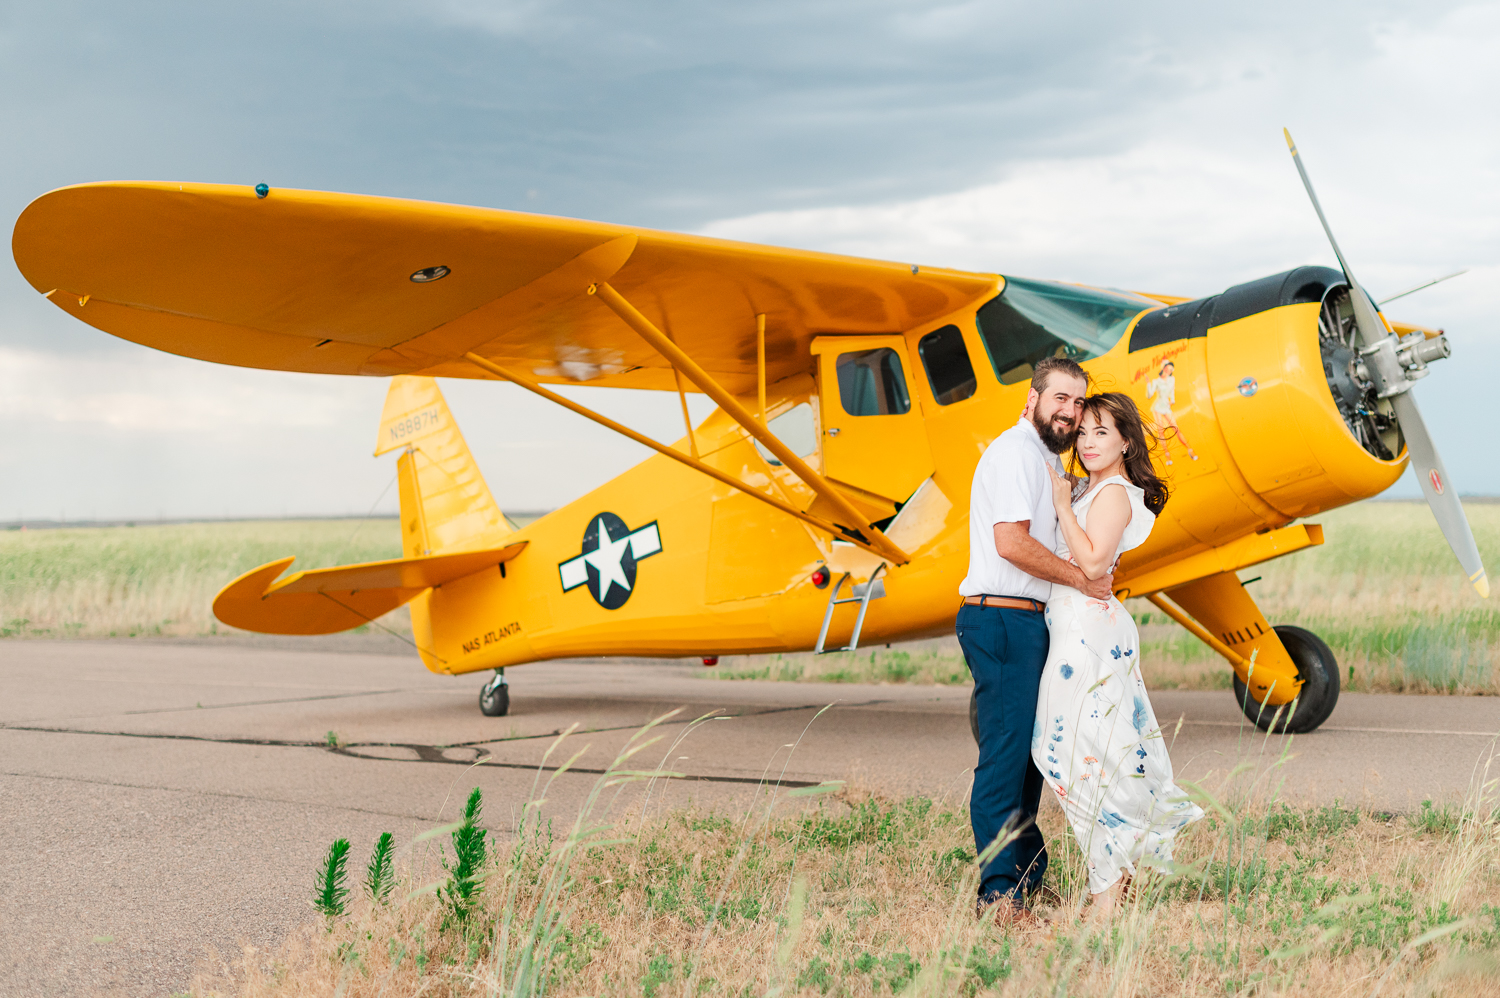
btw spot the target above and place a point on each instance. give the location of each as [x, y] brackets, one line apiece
[823, 505]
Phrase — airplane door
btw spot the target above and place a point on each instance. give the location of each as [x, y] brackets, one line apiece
[874, 437]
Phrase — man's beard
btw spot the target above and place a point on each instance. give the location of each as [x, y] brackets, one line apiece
[1053, 440]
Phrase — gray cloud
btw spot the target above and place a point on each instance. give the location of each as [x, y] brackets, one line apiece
[663, 114]
[680, 115]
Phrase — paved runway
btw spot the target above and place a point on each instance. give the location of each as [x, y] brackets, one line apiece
[159, 798]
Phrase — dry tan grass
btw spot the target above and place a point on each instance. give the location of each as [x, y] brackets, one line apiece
[159, 580]
[1383, 590]
[854, 895]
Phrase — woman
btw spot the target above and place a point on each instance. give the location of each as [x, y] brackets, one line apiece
[1096, 739]
[1163, 388]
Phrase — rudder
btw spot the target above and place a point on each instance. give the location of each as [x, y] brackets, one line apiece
[445, 503]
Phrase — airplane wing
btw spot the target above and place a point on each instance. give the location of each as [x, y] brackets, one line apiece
[326, 600]
[348, 284]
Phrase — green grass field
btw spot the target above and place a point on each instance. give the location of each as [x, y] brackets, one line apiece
[831, 892]
[1384, 591]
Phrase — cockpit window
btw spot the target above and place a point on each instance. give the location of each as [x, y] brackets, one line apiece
[1030, 320]
[797, 429]
[947, 361]
[871, 383]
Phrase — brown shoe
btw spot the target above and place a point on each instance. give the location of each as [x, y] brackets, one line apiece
[1010, 916]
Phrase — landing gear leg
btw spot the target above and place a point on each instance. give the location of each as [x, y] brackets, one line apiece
[494, 696]
[1319, 672]
[1273, 665]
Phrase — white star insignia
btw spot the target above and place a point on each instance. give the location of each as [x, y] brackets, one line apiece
[608, 558]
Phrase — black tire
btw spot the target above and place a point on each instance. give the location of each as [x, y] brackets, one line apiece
[494, 700]
[1319, 672]
[974, 715]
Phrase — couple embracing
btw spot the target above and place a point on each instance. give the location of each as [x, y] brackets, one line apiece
[1054, 655]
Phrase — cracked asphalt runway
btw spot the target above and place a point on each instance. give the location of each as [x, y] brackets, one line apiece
[162, 798]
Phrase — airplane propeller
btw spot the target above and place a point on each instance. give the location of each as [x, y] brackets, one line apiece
[1394, 363]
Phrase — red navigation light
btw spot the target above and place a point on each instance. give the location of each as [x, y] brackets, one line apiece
[821, 577]
[710, 660]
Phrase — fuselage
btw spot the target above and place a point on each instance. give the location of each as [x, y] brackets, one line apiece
[663, 561]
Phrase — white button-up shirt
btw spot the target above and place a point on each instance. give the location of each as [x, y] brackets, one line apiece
[1010, 485]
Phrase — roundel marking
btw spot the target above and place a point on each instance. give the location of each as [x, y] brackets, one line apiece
[607, 563]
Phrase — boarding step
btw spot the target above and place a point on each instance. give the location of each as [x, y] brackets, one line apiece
[862, 593]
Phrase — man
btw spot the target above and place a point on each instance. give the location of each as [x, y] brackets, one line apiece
[1012, 534]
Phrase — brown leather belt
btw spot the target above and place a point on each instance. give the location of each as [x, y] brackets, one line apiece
[1007, 602]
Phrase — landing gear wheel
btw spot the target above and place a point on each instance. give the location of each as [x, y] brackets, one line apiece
[974, 715]
[1319, 672]
[494, 698]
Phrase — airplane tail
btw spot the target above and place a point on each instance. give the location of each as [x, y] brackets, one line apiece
[445, 504]
[451, 528]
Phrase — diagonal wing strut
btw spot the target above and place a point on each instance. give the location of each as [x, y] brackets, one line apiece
[684, 364]
[692, 462]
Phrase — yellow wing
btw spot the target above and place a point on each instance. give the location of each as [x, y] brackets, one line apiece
[326, 600]
[319, 282]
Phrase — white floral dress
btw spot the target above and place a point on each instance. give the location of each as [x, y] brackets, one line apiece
[1096, 739]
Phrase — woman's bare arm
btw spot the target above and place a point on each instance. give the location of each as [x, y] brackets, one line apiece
[1109, 514]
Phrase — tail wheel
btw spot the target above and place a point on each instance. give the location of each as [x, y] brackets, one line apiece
[1319, 672]
[494, 698]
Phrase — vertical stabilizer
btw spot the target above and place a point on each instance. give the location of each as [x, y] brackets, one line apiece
[445, 504]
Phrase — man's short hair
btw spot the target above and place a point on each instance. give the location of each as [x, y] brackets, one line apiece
[1047, 365]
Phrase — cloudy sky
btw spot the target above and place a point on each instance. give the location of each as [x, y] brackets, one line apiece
[1128, 145]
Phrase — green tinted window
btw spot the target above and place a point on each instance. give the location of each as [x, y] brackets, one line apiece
[1035, 319]
[871, 383]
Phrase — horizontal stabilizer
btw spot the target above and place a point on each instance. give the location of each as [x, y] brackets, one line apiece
[327, 600]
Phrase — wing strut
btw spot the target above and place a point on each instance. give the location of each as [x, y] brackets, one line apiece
[671, 452]
[680, 361]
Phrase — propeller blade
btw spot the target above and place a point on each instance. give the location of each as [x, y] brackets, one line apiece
[1441, 496]
[1419, 287]
[1375, 332]
[1367, 320]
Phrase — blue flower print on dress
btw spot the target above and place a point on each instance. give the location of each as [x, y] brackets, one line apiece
[1115, 789]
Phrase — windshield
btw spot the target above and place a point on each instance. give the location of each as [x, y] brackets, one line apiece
[1035, 319]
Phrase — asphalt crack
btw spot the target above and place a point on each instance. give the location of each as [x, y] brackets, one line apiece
[438, 754]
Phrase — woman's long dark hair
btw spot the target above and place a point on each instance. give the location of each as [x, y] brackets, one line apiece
[1138, 445]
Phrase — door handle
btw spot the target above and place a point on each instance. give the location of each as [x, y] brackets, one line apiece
[833, 431]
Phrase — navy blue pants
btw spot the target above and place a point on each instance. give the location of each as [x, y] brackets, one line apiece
[1006, 650]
